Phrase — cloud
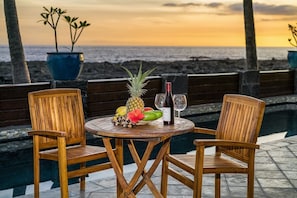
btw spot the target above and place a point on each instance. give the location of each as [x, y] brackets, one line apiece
[259, 8]
[280, 19]
[211, 5]
[275, 10]
[266, 9]
[236, 7]
[181, 4]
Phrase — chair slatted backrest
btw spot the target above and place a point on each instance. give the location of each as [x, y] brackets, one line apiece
[59, 110]
[240, 120]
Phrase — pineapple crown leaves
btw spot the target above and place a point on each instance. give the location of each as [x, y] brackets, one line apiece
[137, 82]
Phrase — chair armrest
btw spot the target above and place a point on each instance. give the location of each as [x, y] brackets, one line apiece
[48, 133]
[218, 142]
[204, 131]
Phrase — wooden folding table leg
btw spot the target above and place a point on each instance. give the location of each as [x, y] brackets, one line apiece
[146, 178]
[164, 175]
[116, 167]
[141, 163]
[119, 155]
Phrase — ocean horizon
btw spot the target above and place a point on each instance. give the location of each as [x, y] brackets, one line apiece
[115, 54]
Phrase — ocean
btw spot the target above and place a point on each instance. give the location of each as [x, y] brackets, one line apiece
[117, 54]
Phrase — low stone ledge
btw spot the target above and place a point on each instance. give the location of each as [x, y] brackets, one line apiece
[12, 133]
[209, 112]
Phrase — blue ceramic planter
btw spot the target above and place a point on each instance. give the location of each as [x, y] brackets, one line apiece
[65, 65]
[292, 58]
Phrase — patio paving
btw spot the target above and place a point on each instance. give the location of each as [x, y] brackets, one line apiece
[275, 177]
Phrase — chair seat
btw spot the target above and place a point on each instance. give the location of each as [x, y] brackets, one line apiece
[76, 154]
[212, 164]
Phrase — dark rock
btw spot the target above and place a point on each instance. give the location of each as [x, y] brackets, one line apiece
[107, 70]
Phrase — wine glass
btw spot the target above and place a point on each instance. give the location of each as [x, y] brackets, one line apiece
[159, 100]
[180, 103]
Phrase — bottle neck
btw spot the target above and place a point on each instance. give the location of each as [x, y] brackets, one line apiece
[168, 87]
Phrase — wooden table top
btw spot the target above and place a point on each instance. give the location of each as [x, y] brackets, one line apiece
[155, 129]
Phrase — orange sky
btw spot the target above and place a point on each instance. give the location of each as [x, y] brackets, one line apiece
[158, 22]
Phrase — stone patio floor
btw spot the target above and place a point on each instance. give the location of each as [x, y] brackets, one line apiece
[275, 177]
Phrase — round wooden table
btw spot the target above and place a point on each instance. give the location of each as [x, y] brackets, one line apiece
[153, 133]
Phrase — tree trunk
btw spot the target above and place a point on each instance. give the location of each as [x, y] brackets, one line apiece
[251, 48]
[20, 71]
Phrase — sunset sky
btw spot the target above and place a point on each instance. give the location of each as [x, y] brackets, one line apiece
[158, 22]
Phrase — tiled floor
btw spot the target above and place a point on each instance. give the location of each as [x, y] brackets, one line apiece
[275, 177]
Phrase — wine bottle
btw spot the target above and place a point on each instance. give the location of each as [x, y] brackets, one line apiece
[168, 106]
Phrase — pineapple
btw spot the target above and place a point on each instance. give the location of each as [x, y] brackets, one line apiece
[136, 88]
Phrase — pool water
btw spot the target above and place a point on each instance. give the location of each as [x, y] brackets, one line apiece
[280, 121]
[273, 122]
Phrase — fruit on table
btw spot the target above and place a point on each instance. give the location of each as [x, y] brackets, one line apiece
[130, 119]
[152, 115]
[135, 116]
[158, 113]
[148, 109]
[136, 88]
[122, 121]
[121, 111]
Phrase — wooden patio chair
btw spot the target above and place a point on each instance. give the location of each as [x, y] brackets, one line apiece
[58, 132]
[235, 142]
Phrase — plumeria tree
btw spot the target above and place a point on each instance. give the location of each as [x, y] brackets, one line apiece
[51, 16]
[293, 30]
[75, 29]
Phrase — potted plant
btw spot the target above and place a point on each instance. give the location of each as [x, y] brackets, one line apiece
[292, 54]
[64, 65]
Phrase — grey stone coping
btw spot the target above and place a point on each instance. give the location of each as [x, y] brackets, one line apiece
[13, 133]
[275, 103]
